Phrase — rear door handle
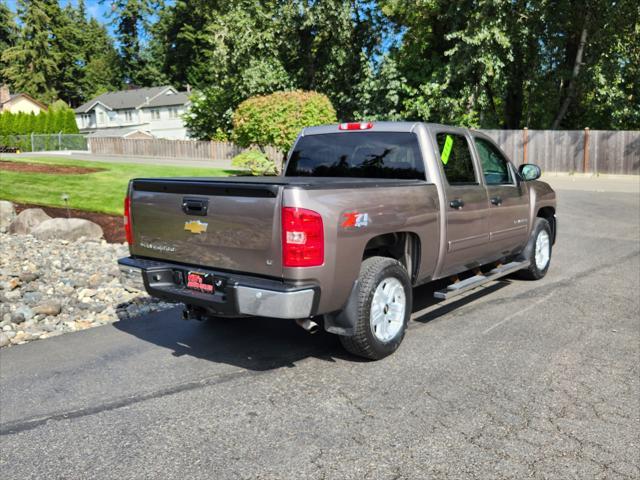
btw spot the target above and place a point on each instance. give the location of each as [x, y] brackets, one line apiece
[496, 201]
[195, 206]
[456, 203]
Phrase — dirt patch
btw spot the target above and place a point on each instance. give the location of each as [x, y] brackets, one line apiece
[112, 225]
[44, 168]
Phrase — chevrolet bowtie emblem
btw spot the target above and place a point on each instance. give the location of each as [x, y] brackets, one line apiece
[195, 226]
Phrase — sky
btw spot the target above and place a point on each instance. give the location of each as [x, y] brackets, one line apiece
[94, 8]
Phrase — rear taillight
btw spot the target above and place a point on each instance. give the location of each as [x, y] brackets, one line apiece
[355, 126]
[302, 238]
[127, 221]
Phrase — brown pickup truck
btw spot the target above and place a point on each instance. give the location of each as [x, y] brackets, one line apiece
[362, 213]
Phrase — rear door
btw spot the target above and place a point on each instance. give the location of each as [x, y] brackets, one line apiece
[508, 198]
[466, 206]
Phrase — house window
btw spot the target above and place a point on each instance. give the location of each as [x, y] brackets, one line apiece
[86, 119]
[155, 114]
[173, 112]
[100, 117]
[128, 116]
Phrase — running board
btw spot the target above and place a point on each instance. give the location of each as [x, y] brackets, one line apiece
[459, 288]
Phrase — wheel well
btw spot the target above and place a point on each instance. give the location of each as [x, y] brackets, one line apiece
[549, 214]
[403, 246]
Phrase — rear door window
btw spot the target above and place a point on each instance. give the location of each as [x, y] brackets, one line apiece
[357, 154]
[456, 159]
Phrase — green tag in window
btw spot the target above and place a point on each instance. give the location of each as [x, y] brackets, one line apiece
[446, 151]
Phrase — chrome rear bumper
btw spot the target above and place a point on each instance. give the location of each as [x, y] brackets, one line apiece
[235, 294]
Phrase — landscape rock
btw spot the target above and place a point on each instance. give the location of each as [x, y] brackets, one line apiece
[4, 340]
[32, 298]
[50, 308]
[70, 229]
[79, 277]
[13, 284]
[25, 311]
[27, 220]
[27, 277]
[7, 214]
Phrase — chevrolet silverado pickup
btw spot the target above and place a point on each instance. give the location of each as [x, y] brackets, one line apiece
[362, 213]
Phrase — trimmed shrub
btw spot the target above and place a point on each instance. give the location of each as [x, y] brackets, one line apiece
[255, 161]
[277, 119]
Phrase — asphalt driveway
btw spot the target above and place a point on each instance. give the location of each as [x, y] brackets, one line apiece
[517, 380]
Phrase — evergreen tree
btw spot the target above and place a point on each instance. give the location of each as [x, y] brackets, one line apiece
[101, 63]
[68, 30]
[131, 19]
[70, 125]
[8, 34]
[32, 63]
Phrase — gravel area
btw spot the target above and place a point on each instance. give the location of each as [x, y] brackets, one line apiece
[52, 287]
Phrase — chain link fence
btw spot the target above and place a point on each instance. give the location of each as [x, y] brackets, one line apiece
[43, 142]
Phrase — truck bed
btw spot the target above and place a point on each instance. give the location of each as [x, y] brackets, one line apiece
[240, 227]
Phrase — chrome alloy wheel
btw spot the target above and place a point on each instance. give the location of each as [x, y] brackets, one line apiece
[387, 309]
[543, 248]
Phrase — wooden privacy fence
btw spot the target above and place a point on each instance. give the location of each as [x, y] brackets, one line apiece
[580, 151]
[159, 148]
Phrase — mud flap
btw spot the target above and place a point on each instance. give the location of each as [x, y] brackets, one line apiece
[343, 322]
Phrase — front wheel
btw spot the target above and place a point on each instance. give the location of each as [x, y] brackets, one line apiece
[384, 308]
[537, 251]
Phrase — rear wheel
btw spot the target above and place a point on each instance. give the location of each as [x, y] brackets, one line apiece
[537, 251]
[384, 307]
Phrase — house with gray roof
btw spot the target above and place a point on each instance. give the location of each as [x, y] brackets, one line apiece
[157, 111]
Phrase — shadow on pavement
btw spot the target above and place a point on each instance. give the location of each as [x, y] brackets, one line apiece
[251, 343]
[260, 344]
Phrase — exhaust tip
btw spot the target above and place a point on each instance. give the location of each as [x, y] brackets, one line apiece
[309, 325]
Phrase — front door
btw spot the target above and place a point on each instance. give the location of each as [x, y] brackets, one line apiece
[466, 206]
[508, 199]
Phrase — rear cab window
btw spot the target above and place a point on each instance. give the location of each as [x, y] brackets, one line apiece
[393, 155]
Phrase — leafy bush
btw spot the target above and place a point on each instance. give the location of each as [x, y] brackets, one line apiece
[255, 161]
[276, 119]
[209, 116]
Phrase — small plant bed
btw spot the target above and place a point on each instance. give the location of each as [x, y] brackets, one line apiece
[45, 168]
[111, 224]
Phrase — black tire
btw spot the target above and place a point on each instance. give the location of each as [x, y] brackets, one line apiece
[364, 343]
[534, 271]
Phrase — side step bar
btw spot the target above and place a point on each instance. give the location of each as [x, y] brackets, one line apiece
[459, 288]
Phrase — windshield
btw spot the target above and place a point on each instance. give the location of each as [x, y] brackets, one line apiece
[357, 154]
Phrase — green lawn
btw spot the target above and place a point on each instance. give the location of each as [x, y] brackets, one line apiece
[97, 192]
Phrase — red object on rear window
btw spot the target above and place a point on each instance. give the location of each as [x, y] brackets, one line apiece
[302, 238]
[355, 126]
[127, 221]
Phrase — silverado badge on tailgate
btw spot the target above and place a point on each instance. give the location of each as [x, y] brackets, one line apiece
[196, 226]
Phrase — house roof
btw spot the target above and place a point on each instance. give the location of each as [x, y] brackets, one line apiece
[28, 97]
[136, 98]
[118, 132]
[164, 100]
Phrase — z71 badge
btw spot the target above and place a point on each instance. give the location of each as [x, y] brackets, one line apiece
[355, 219]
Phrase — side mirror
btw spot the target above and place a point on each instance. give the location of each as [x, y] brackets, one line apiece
[529, 171]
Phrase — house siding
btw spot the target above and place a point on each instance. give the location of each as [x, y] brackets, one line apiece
[163, 121]
[21, 104]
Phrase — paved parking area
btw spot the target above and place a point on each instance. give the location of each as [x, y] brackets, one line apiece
[517, 380]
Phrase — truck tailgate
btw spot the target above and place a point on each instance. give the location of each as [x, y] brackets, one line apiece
[228, 225]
